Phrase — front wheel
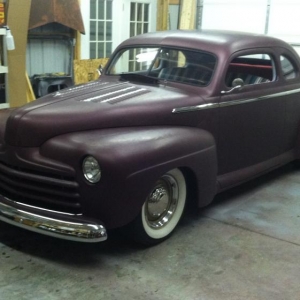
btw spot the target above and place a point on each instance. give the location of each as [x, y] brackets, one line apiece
[162, 209]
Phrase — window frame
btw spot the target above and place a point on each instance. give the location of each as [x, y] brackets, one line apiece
[134, 21]
[292, 63]
[187, 71]
[246, 55]
[120, 25]
[107, 21]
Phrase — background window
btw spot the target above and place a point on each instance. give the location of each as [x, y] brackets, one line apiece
[100, 28]
[139, 23]
[139, 18]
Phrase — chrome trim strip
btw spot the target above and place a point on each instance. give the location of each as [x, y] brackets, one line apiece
[238, 102]
[231, 103]
[44, 209]
[108, 95]
[77, 88]
[74, 231]
[194, 108]
[124, 95]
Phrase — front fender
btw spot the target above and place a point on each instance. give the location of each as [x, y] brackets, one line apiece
[131, 160]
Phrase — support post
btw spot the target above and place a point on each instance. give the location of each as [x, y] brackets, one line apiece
[162, 15]
[17, 20]
[187, 14]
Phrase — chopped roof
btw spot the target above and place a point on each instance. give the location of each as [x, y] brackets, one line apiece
[207, 40]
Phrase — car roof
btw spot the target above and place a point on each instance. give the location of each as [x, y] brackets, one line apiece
[208, 40]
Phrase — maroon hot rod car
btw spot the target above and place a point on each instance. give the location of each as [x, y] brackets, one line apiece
[176, 116]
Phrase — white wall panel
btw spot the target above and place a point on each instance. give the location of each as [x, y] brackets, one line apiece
[173, 16]
[85, 38]
[238, 15]
[285, 20]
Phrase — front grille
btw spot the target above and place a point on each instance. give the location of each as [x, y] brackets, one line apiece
[46, 191]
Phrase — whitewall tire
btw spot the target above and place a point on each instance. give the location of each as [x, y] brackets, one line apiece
[162, 209]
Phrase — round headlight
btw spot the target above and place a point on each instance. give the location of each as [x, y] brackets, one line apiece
[91, 169]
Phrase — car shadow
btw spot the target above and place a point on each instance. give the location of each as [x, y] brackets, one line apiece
[92, 254]
[235, 194]
[64, 251]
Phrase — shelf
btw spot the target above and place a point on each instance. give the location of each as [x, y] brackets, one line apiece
[4, 105]
[3, 69]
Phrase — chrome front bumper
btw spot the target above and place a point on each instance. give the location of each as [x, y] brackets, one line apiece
[59, 228]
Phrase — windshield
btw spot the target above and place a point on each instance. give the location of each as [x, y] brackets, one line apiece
[184, 66]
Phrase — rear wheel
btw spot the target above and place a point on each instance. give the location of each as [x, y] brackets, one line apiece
[162, 209]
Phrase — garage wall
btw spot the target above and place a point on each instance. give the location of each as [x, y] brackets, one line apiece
[284, 21]
[242, 15]
[279, 18]
[173, 17]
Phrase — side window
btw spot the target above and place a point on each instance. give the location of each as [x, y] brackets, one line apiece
[287, 67]
[250, 69]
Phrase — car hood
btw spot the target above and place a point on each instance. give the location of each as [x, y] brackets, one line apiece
[96, 105]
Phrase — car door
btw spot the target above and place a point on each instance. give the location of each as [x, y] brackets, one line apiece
[290, 76]
[251, 117]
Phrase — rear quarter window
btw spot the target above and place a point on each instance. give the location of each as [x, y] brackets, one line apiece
[288, 68]
[250, 69]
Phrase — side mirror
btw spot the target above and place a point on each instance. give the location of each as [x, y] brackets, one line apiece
[100, 70]
[237, 85]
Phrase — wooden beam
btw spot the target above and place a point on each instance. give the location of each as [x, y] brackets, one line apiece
[162, 15]
[77, 49]
[174, 2]
[187, 14]
[29, 91]
[18, 19]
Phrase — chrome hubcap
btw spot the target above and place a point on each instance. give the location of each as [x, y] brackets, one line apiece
[162, 202]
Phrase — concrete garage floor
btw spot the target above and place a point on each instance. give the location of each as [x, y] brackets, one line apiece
[246, 245]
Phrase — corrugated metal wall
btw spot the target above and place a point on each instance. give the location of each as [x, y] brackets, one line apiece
[49, 50]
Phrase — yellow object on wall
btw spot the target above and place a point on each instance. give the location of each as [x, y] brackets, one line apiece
[86, 70]
[2, 13]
